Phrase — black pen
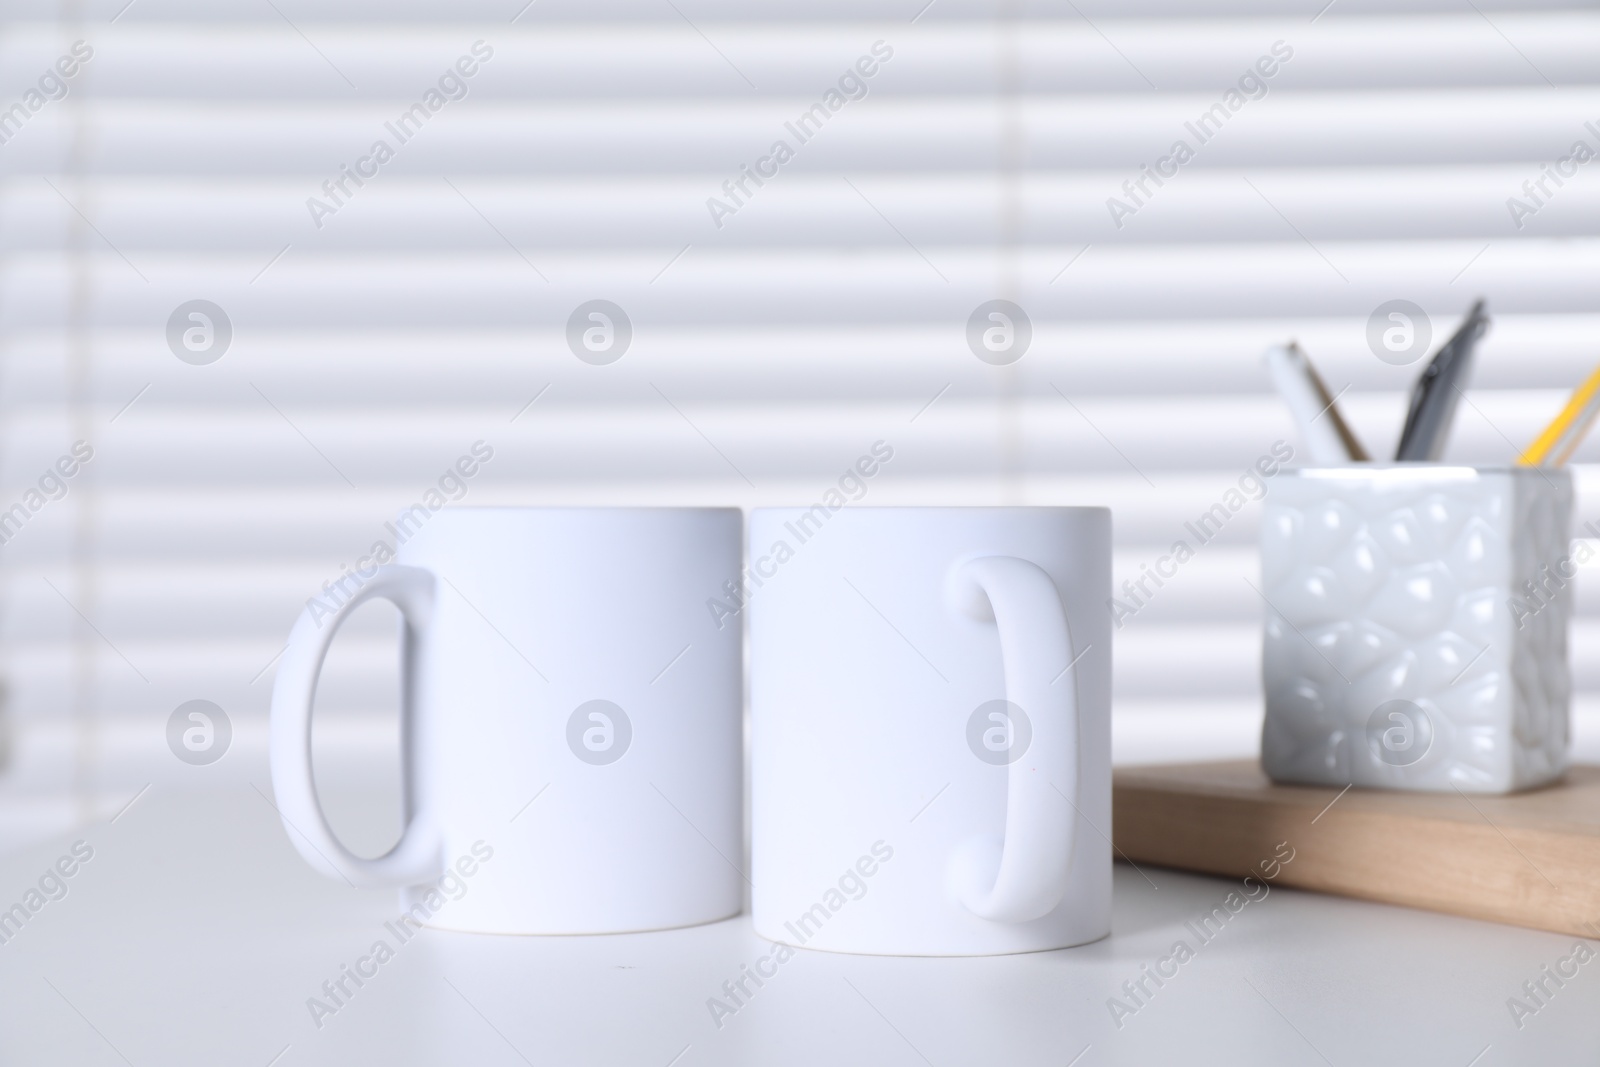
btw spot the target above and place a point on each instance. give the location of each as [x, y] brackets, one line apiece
[1434, 397]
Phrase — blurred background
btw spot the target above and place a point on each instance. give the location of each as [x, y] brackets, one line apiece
[358, 336]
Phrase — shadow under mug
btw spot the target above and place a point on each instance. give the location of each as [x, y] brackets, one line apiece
[571, 726]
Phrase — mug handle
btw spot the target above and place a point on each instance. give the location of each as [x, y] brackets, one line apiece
[415, 858]
[1024, 875]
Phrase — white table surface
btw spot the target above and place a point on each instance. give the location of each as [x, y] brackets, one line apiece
[196, 935]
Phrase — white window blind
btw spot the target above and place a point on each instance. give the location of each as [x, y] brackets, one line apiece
[381, 328]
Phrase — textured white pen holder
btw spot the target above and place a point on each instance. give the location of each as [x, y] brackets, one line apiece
[1416, 626]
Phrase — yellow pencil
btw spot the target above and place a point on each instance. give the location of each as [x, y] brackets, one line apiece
[1580, 429]
[1560, 439]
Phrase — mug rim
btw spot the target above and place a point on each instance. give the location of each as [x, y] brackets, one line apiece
[615, 509]
[1026, 509]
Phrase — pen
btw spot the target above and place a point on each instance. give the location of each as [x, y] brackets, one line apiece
[1328, 437]
[1434, 397]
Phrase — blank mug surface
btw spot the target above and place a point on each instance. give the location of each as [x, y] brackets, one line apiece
[887, 728]
[573, 710]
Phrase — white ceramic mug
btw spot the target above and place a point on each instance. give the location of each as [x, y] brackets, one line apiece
[572, 726]
[931, 728]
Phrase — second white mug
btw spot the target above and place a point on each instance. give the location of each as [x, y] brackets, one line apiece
[931, 728]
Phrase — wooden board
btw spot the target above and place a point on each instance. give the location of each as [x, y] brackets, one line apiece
[1531, 859]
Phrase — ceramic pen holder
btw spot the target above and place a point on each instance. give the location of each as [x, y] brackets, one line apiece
[1416, 626]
